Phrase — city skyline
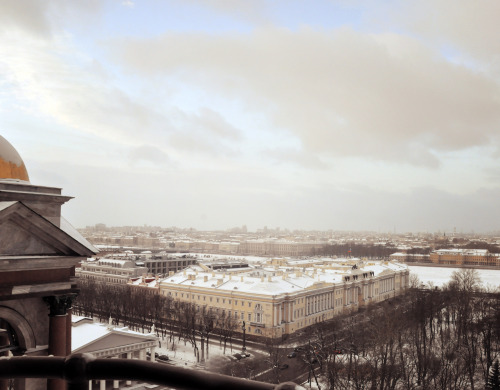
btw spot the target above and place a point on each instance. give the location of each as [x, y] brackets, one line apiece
[336, 115]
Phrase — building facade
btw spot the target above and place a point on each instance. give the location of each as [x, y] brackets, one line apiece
[119, 268]
[277, 300]
[465, 257]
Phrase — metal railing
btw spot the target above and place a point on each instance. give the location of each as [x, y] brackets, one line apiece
[78, 369]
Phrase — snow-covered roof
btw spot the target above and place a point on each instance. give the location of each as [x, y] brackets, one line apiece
[85, 332]
[273, 280]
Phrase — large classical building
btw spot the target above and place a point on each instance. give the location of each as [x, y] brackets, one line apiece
[38, 253]
[284, 296]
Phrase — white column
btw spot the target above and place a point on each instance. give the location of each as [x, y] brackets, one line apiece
[90, 385]
[103, 384]
[129, 356]
[153, 358]
[142, 354]
[116, 383]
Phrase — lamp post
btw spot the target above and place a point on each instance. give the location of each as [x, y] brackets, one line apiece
[243, 328]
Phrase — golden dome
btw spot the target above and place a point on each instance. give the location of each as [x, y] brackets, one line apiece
[11, 163]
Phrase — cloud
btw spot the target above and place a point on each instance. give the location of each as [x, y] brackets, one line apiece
[296, 157]
[148, 153]
[42, 19]
[341, 92]
[467, 27]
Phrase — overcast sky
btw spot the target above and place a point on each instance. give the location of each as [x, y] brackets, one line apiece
[345, 115]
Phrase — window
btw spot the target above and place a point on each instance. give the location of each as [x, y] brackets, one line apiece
[249, 317]
[258, 313]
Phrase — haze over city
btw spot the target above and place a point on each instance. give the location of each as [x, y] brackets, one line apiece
[305, 115]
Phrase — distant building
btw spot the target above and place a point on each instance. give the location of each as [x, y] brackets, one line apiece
[163, 264]
[110, 270]
[410, 257]
[478, 257]
[118, 268]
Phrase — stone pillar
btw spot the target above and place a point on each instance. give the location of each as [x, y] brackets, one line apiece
[69, 325]
[58, 317]
[4, 342]
[153, 358]
[102, 384]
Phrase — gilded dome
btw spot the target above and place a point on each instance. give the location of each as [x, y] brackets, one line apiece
[11, 163]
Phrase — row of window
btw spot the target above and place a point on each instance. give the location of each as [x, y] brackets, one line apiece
[211, 299]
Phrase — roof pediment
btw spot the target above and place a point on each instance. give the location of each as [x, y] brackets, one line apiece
[111, 340]
[23, 232]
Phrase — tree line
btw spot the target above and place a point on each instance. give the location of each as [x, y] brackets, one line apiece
[145, 310]
[429, 339]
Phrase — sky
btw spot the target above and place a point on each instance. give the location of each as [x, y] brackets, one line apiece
[314, 115]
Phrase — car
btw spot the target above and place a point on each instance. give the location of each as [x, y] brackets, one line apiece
[292, 354]
[338, 352]
[165, 358]
[245, 354]
[283, 366]
[241, 355]
[298, 349]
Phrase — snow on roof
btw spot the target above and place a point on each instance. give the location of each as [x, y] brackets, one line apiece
[85, 331]
[273, 281]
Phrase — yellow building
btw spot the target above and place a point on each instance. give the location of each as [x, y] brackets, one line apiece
[481, 257]
[284, 296]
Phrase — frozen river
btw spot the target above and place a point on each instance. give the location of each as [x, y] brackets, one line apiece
[441, 275]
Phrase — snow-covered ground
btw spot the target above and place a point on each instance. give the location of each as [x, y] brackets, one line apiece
[439, 276]
[181, 354]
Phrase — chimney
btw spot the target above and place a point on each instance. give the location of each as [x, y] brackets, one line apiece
[269, 279]
[219, 281]
[170, 273]
[205, 278]
[242, 278]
